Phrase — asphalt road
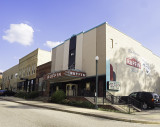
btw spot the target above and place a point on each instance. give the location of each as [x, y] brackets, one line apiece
[18, 115]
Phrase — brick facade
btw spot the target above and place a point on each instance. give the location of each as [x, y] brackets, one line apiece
[41, 71]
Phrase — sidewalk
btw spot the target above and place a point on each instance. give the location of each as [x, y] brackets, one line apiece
[147, 117]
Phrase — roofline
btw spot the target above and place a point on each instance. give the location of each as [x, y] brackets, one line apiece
[79, 34]
[10, 68]
[95, 27]
[44, 64]
[29, 53]
[32, 52]
[43, 50]
[135, 41]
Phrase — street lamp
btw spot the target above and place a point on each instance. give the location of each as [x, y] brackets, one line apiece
[96, 58]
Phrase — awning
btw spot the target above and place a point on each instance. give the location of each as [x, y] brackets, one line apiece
[64, 76]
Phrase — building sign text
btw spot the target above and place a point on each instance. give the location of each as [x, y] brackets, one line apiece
[113, 85]
[133, 62]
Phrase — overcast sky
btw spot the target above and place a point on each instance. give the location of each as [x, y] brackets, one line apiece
[26, 25]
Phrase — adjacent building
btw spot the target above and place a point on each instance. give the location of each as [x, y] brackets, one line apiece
[41, 85]
[124, 65]
[1, 80]
[27, 69]
[10, 77]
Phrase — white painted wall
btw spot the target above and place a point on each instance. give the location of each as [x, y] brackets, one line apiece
[132, 79]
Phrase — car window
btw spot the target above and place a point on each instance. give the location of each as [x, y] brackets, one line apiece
[133, 95]
[140, 95]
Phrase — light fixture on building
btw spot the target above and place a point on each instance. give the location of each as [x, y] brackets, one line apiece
[96, 58]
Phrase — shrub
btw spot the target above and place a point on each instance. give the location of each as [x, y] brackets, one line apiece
[26, 95]
[21, 94]
[33, 95]
[10, 93]
[83, 104]
[58, 96]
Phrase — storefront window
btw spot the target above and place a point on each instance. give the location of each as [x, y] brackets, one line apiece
[88, 86]
[57, 88]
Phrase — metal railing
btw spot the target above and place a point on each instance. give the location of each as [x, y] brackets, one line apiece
[135, 103]
[119, 100]
[114, 99]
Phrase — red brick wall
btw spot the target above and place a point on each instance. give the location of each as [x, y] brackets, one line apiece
[46, 93]
[43, 69]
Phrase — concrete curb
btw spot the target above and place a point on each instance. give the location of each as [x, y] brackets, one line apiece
[87, 114]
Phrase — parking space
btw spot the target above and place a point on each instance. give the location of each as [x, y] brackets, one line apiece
[155, 111]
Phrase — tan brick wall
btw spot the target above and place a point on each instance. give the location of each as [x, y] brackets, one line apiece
[10, 79]
[1, 87]
[29, 63]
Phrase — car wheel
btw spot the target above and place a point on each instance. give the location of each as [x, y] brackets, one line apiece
[144, 106]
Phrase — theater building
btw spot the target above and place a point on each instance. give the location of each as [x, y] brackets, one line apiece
[73, 64]
[124, 65]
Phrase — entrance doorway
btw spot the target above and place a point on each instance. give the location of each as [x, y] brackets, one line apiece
[71, 89]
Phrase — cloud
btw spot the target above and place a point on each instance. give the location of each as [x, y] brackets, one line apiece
[52, 44]
[16, 58]
[1, 70]
[20, 33]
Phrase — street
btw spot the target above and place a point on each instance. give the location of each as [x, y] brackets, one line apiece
[18, 115]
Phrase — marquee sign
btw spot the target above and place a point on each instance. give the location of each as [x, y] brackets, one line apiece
[69, 73]
[53, 75]
[133, 62]
[75, 73]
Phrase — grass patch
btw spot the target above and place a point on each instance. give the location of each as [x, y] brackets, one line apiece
[108, 110]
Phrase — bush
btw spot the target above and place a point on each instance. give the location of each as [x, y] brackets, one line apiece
[58, 96]
[21, 94]
[33, 95]
[83, 104]
[26, 95]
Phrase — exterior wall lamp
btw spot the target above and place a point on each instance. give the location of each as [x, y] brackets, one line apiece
[96, 94]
